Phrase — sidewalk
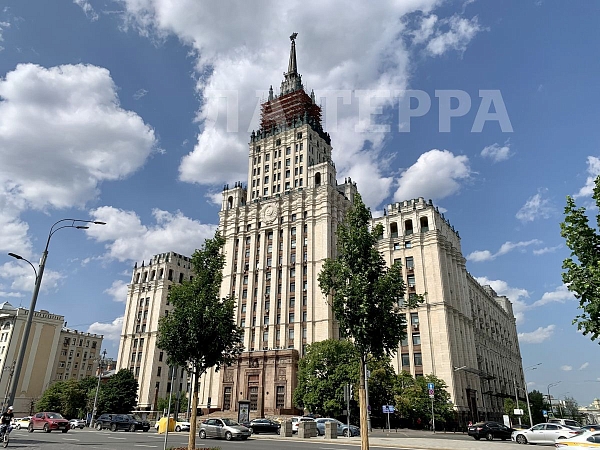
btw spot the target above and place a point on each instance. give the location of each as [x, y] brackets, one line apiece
[410, 439]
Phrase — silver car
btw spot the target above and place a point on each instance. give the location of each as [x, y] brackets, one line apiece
[543, 433]
[223, 429]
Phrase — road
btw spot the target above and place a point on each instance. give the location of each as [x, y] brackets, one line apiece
[107, 440]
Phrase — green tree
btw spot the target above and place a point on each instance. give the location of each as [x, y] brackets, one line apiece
[163, 403]
[382, 384]
[322, 374]
[537, 403]
[201, 332]
[118, 394]
[66, 397]
[51, 399]
[582, 268]
[571, 409]
[412, 398]
[365, 295]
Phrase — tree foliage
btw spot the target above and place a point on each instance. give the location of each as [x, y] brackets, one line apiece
[538, 404]
[68, 397]
[582, 268]
[365, 295]
[322, 374]
[118, 395]
[412, 398]
[201, 332]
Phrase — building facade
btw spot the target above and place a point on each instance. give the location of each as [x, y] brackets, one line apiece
[44, 361]
[279, 229]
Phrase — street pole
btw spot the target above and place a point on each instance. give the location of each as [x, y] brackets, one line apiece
[550, 398]
[528, 409]
[38, 283]
[432, 416]
[367, 374]
[100, 365]
[517, 399]
[169, 407]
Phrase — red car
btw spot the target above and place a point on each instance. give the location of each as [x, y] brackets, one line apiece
[48, 421]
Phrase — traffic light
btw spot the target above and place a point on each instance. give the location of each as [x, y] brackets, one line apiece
[351, 392]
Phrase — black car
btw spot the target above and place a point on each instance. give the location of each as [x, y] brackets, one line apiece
[127, 422]
[257, 426]
[490, 431]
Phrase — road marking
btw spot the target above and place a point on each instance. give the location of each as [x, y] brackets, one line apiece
[70, 439]
[142, 445]
[111, 437]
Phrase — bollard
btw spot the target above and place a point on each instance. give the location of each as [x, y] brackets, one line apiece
[286, 429]
[330, 430]
[303, 432]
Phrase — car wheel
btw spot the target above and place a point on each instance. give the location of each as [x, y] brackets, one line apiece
[113, 427]
[30, 428]
[202, 434]
[65, 430]
[228, 436]
[99, 426]
[132, 428]
[178, 428]
[346, 433]
[521, 439]
[489, 436]
[46, 428]
[18, 427]
[562, 437]
[251, 430]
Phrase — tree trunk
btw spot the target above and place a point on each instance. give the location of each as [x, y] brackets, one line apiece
[193, 412]
[362, 402]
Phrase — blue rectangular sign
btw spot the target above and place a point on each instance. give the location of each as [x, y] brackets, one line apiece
[430, 386]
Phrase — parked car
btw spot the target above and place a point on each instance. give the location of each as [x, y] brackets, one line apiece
[342, 428]
[77, 423]
[22, 422]
[179, 425]
[567, 422]
[592, 427]
[258, 426]
[584, 440]
[490, 431]
[297, 419]
[543, 433]
[224, 429]
[127, 422]
[48, 421]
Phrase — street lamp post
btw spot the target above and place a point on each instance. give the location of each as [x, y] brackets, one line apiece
[550, 398]
[74, 223]
[534, 367]
[100, 365]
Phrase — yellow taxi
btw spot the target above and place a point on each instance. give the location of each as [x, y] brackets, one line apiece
[586, 440]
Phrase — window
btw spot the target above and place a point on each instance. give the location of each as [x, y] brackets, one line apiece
[424, 224]
[418, 359]
[291, 334]
[280, 397]
[158, 371]
[416, 339]
[287, 173]
[405, 360]
[287, 162]
[410, 263]
[408, 227]
[407, 244]
[243, 307]
[396, 245]
[253, 397]
[160, 356]
[292, 302]
[404, 342]
[292, 287]
[288, 150]
[266, 320]
[292, 317]
[411, 281]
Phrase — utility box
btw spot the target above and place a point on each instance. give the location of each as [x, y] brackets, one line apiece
[330, 430]
[162, 425]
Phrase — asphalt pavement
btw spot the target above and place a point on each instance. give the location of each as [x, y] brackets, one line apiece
[107, 440]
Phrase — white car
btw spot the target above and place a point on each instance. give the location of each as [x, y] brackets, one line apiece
[179, 425]
[585, 440]
[543, 433]
[22, 422]
[297, 419]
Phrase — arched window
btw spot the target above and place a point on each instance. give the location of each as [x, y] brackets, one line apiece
[394, 229]
[408, 227]
[137, 278]
[424, 224]
[317, 178]
[230, 202]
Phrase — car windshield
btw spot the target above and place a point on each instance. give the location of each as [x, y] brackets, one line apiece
[230, 423]
[134, 417]
[54, 416]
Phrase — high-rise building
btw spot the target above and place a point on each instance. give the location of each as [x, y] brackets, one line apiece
[279, 229]
[54, 353]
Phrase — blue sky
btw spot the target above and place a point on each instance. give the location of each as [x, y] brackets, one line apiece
[136, 112]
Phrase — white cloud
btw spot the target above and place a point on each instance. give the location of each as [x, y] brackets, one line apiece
[515, 295]
[111, 331]
[3, 26]
[22, 277]
[560, 295]
[436, 174]
[566, 368]
[534, 208]
[508, 246]
[496, 152]
[584, 365]
[457, 35]
[140, 93]
[542, 251]
[87, 9]
[118, 291]
[234, 63]
[537, 336]
[426, 29]
[127, 239]
[593, 170]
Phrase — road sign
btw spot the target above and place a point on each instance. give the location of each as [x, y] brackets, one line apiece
[431, 392]
[430, 386]
[544, 413]
[388, 409]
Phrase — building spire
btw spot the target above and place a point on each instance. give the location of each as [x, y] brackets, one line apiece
[293, 66]
[292, 81]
